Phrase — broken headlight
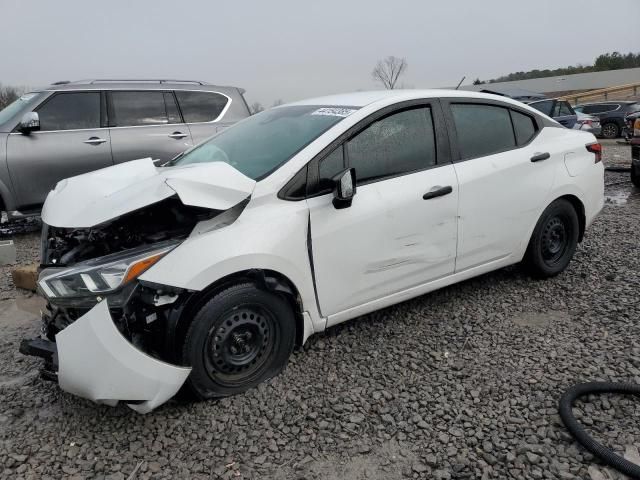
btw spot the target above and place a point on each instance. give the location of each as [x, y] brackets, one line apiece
[101, 275]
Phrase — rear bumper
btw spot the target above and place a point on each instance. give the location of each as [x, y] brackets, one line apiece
[96, 362]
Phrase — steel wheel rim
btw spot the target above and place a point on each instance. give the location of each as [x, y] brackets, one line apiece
[238, 347]
[555, 240]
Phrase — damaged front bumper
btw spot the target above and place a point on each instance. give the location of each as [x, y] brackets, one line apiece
[95, 361]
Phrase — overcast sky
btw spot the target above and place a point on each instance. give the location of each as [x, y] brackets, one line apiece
[291, 49]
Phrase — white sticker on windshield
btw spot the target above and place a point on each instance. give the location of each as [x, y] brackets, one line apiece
[334, 111]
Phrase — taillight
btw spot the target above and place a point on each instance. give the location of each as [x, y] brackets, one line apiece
[596, 149]
[587, 122]
[636, 128]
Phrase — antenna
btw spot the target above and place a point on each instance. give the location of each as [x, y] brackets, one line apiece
[460, 82]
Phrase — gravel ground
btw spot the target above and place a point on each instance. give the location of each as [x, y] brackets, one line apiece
[460, 383]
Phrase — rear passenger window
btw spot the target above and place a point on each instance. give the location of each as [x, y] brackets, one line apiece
[70, 111]
[524, 127]
[401, 143]
[482, 129]
[131, 109]
[201, 106]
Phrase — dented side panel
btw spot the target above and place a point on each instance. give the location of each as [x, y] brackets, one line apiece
[389, 240]
[262, 237]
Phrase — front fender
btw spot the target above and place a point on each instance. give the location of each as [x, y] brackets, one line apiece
[264, 237]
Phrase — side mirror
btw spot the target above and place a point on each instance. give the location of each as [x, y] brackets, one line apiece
[30, 123]
[344, 188]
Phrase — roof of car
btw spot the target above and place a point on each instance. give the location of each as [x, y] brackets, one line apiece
[138, 84]
[361, 99]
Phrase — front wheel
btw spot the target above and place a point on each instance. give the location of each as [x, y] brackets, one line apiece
[554, 240]
[241, 337]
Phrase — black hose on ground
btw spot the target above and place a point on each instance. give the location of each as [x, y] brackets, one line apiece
[579, 433]
[616, 168]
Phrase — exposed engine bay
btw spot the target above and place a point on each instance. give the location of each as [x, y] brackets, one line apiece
[164, 220]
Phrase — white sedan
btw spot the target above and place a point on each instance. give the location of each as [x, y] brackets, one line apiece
[208, 271]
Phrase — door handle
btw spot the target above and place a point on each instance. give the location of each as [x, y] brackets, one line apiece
[95, 141]
[178, 135]
[538, 157]
[437, 192]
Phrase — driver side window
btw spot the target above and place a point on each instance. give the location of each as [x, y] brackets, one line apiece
[401, 143]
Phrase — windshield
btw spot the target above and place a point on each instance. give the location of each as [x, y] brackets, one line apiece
[260, 144]
[10, 110]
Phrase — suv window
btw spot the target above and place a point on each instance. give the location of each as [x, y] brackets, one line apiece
[401, 143]
[524, 126]
[600, 108]
[201, 106]
[482, 129]
[70, 111]
[544, 107]
[131, 109]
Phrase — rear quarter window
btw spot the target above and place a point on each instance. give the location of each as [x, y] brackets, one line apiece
[200, 107]
[524, 127]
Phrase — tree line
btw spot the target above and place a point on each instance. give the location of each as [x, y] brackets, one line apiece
[606, 61]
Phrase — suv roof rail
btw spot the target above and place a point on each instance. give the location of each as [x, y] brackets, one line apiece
[61, 82]
[139, 80]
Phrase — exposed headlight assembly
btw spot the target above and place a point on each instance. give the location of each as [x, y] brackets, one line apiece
[101, 275]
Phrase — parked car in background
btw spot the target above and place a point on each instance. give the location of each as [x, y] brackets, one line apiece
[632, 126]
[611, 115]
[294, 220]
[70, 128]
[560, 110]
[588, 123]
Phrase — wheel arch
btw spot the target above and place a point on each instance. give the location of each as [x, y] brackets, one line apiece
[578, 206]
[270, 280]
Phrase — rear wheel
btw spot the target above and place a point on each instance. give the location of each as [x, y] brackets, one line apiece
[238, 339]
[610, 130]
[554, 240]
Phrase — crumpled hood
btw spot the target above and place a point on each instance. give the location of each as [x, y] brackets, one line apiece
[93, 198]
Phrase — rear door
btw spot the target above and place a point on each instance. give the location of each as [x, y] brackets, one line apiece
[146, 123]
[504, 173]
[73, 139]
[400, 231]
[203, 112]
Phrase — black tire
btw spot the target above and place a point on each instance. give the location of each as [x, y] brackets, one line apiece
[554, 240]
[635, 176]
[241, 337]
[610, 130]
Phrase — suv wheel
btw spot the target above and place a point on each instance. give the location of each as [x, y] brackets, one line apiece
[241, 337]
[610, 130]
[554, 240]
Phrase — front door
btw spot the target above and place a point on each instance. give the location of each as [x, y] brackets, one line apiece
[400, 230]
[70, 142]
[146, 124]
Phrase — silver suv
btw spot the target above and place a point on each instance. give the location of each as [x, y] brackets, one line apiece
[72, 128]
